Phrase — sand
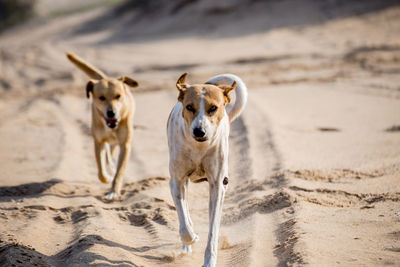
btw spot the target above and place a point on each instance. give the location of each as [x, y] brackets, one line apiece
[314, 158]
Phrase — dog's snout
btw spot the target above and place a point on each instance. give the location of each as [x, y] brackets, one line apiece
[199, 132]
[110, 113]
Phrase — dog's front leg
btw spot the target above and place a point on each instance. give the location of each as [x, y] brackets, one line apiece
[217, 193]
[100, 152]
[125, 150]
[216, 166]
[178, 192]
[110, 155]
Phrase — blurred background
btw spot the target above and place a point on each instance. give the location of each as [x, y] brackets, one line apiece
[258, 33]
[314, 158]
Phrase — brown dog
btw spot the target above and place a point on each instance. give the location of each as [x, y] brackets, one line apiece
[112, 122]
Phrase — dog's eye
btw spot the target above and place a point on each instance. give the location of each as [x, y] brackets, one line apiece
[212, 109]
[117, 96]
[102, 98]
[190, 108]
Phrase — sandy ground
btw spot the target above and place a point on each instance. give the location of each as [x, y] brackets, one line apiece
[314, 158]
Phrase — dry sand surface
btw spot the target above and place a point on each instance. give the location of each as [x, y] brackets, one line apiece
[314, 158]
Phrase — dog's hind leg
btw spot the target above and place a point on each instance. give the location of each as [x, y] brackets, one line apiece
[178, 192]
[100, 152]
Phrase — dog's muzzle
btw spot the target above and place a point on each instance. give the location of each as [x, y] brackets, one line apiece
[199, 135]
[200, 139]
[111, 122]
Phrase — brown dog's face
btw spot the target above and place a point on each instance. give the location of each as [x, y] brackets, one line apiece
[109, 96]
[203, 107]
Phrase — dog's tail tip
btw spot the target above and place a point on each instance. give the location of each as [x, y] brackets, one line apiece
[91, 71]
[69, 55]
[72, 57]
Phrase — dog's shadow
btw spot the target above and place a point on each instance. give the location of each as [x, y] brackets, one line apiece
[38, 189]
[18, 255]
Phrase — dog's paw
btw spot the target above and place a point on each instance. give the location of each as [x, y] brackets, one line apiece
[189, 238]
[104, 180]
[196, 238]
[187, 246]
[209, 263]
[112, 196]
[187, 249]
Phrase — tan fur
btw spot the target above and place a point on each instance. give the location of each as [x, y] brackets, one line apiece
[213, 97]
[91, 71]
[109, 94]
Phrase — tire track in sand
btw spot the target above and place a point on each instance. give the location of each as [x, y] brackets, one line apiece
[257, 199]
[77, 210]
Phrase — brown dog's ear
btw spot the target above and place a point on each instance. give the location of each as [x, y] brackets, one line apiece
[227, 89]
[129, 81]
[182, 86]
[89, 88]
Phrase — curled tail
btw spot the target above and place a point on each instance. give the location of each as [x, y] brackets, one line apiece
[240, 91]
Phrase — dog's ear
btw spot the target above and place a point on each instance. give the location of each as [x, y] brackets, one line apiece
[227, 89]
[89, 88]
[129, 81]
[182, 86]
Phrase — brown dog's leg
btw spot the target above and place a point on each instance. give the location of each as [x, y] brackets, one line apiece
[110, 163]
[123, 158]
[99, 149]
[113, 150]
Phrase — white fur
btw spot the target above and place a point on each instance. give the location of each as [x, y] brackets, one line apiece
[192, 160]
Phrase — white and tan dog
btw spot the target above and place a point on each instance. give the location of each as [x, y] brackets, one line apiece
[112, 122]
[198, 131]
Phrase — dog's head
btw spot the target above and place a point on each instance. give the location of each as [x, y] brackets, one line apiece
[203, 107]
[109, 94]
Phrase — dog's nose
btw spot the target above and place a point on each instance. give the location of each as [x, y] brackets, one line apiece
[198, 132]
[110, 113]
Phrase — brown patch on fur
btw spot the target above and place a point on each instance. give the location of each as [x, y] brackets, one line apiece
[225, 182]
[213, 97]
[182, 86]
[227, 89]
